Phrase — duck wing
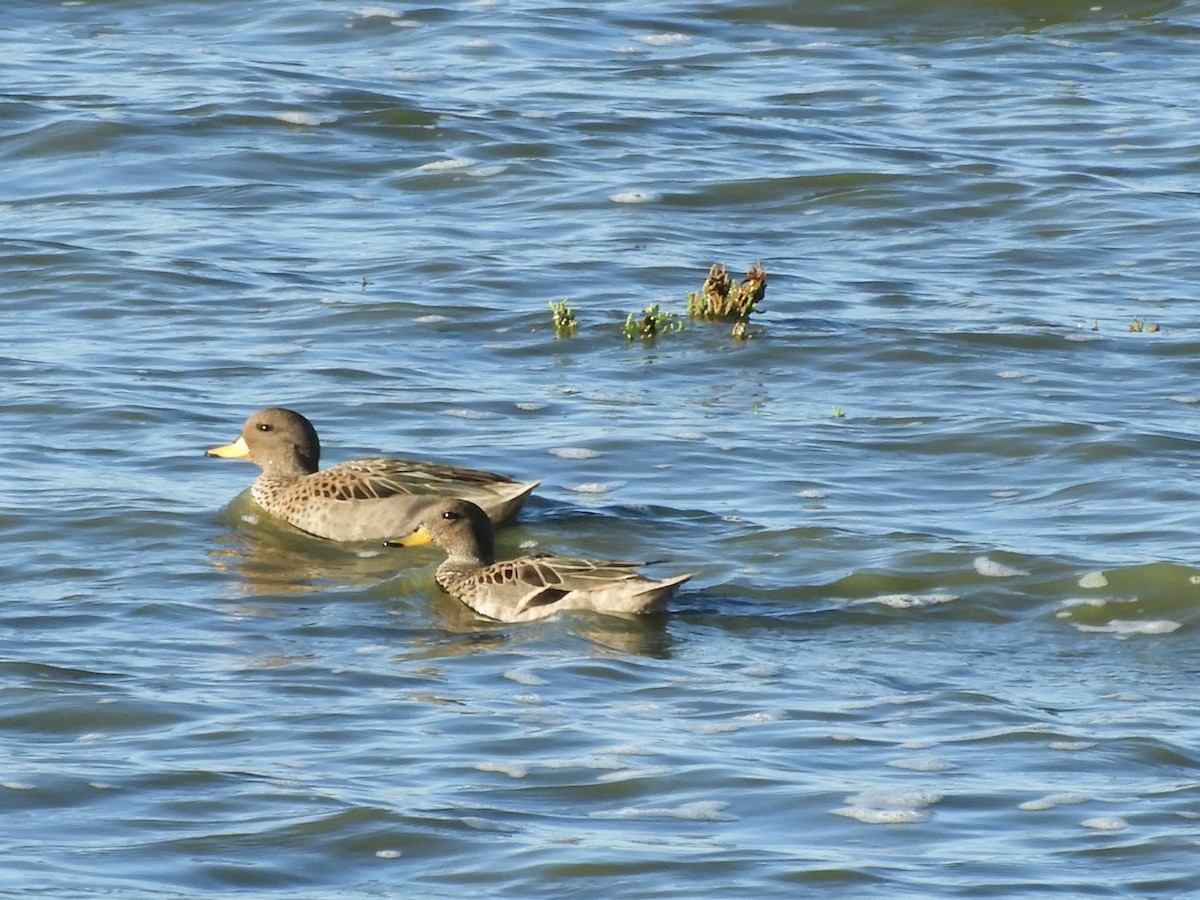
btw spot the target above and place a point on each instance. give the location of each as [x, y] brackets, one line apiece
[537, 586]
[378, 477]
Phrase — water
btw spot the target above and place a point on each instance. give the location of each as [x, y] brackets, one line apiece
[939, 504]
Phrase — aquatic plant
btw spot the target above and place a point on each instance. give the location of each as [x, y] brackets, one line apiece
[720, 299]
[650, 323]
[565, 324]
[1141, 325]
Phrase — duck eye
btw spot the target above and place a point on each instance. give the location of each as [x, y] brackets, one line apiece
[449, 515]
[264, 426]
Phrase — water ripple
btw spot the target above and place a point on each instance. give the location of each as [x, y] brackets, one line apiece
[938, 501]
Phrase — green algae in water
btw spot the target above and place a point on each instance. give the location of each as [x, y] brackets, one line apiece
[720, 299]
[650, 323]
[565, 323]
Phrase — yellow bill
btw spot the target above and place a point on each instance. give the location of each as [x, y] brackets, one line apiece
[418, 538]
[237, 450]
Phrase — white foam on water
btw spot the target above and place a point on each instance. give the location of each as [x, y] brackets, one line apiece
[1083, 601]
[1093, 580]
[762, 717]
[1126, 627]
[595, 762]
[696, 811]
[665, 39]
[1052, 801]
[512, 770]
[371, 649]
[574, 453]
[1071, 745]
[470, 414]
[447, 165]
[992, 569]
[298, 117]
[376, 12]
[285, 350]
[635, 197]
[594, 487]
[1105, 823]
[895, 799]
[910, 601]
[525, 677]
[634, 774]
[627, 750]
[889, 807]
[882, 816]
[923, 764]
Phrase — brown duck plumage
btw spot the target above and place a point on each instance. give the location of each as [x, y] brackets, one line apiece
[532, 587]
[366, 499]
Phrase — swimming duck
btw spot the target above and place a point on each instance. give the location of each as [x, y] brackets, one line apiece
[532, 587]
[365, 499]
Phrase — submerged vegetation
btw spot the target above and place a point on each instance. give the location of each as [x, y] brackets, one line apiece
[1139, 325]
[720, 299]
[650, 323]
[565, 324]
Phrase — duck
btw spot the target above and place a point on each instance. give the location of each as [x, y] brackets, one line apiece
[530, 587]
[364, 499]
